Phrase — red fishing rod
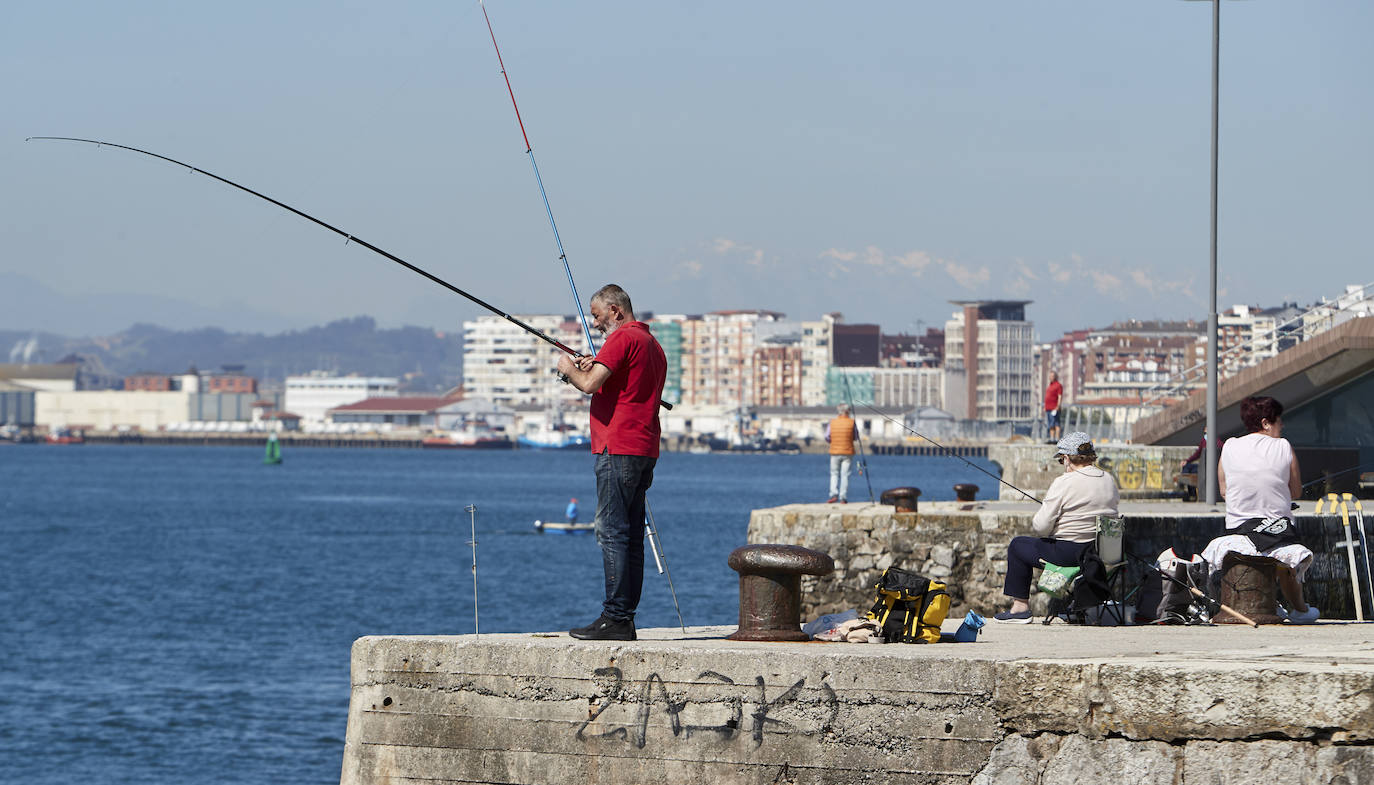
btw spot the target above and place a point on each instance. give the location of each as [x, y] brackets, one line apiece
[650, 527]
[349, 237]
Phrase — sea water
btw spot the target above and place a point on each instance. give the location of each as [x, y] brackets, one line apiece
[184, 614]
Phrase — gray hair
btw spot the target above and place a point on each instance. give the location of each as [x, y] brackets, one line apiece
[843, 408]
[610, 294]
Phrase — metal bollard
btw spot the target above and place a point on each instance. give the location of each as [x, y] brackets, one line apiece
[770, 589]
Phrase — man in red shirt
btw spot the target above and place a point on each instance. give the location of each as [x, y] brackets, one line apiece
[626, 382]
[1052, 395]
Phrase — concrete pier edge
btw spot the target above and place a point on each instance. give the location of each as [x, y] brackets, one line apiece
[1025, 704]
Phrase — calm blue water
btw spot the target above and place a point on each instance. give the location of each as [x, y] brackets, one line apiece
[184, 614]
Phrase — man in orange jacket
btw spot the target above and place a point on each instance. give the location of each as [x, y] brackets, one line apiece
[840, 432]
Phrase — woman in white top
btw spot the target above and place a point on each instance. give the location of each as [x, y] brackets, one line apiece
[1065, 524]
[1258, 477]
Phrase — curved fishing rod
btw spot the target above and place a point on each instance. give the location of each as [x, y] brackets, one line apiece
[650, 527]
[335, 229]
[951, 453]
[529, 150]
[863, 462]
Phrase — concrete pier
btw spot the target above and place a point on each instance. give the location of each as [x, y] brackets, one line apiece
[1026, 704]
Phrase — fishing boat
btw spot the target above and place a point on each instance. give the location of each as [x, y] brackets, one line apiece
[273, 455]
[553, 527]
[473, 435]
[574, 441]
[62, 435]
[554, 432]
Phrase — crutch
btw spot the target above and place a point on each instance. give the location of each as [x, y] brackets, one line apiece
[1335, 498]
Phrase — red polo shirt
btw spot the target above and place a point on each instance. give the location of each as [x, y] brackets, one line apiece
[1052, 394]
[625, 409]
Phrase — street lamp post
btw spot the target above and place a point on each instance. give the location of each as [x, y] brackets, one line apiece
[1213, 434]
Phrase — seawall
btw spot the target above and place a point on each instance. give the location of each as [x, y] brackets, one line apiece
[1031, 705]
[964, 544]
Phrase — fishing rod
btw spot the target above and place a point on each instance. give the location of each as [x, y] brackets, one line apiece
[650, 528]
[346, 235]
[863, 462]
[951, 453]
[529, 150]
[1342, 472]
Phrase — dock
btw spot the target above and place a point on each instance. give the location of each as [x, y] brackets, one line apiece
[1027, 704]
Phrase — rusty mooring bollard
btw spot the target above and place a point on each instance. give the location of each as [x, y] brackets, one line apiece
[904, 499]
[770, 589]
[965, 491]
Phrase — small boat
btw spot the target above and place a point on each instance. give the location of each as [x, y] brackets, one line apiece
[474, 435]
[574, 441]
[551, 527]
[64, 436]
[273, 455]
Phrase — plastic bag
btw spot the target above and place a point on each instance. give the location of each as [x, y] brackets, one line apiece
[828, 622]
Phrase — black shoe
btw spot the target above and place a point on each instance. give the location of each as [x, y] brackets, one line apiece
[603, 629]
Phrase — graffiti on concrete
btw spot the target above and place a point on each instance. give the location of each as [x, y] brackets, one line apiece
[1136, 472]
[794, 711]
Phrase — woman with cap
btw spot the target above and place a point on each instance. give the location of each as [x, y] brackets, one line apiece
[1258, 476]
[1065, 524]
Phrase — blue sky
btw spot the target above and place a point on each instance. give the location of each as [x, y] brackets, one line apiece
[875, 159]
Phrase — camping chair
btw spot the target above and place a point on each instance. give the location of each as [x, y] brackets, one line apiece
[1108, 596]
[1111, 549]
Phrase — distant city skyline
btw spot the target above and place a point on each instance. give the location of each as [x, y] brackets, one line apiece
[809, 158]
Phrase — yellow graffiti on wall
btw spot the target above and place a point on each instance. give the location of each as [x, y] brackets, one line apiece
[1136, 472]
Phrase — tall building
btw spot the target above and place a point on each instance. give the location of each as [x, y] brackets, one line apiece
[777, 370]
[718, 356]
[988, 359]
[507, 365]
[667, 330]
[816, 341]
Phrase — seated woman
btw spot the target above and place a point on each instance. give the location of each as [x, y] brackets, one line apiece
[1258, 477]
[1065, 524]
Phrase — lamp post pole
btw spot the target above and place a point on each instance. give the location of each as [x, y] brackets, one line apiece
[1213, 434]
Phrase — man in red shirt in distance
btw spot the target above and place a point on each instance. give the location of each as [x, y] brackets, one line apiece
[1053, 393]
[625, 380]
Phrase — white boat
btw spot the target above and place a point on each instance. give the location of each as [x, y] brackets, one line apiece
[553, 527]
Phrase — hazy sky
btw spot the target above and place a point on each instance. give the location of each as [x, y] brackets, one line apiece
[877, 159]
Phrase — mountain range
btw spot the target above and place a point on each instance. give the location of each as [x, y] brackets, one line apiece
[425, 360]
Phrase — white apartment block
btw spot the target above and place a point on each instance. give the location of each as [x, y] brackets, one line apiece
[909, 388]
[817, 342]
[507, 365]
[988, 361]
[311, 397]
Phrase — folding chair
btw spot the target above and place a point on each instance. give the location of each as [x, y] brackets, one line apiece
[1111, 549]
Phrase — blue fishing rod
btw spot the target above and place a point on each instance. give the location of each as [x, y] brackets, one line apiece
[650, 529]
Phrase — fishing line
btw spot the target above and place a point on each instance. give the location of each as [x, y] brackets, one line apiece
[650, 527]
[347, 236]
[863, 462]
[951, 453]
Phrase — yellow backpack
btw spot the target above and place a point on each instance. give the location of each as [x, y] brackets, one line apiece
[909, 608]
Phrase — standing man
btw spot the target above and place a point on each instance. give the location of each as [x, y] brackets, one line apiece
[840, 432]
[625, 380]
[1052, 395]
[571, 512]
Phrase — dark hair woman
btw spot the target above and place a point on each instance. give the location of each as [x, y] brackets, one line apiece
[1258, 477]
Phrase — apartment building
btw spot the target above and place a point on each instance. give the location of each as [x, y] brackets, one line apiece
[988, 356]
[718, 355]
[817, 338]
[507, 365]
